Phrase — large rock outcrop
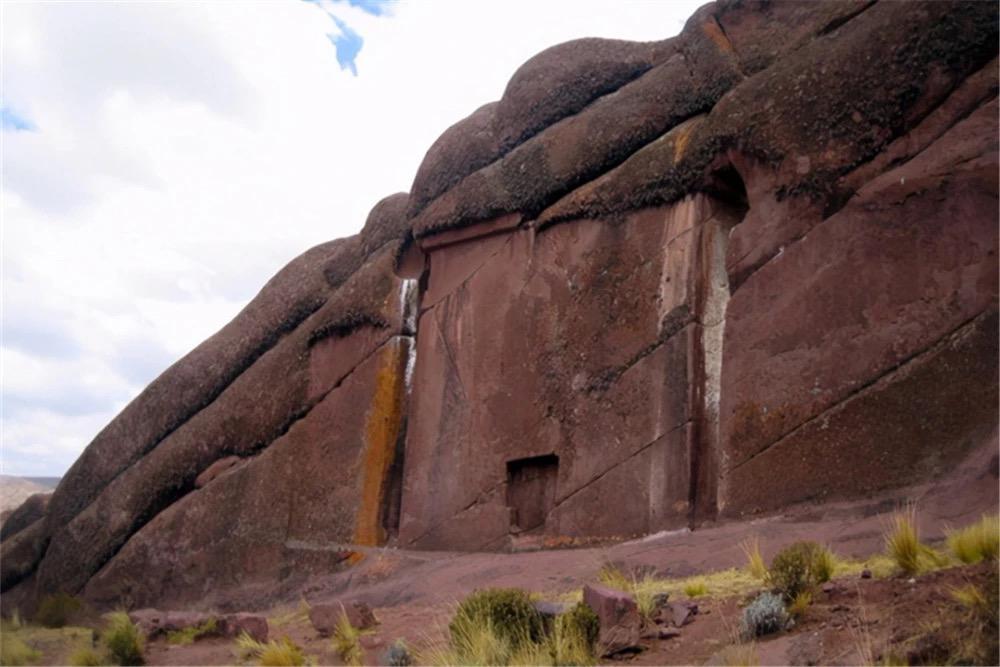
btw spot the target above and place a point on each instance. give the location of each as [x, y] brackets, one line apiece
[653, 285]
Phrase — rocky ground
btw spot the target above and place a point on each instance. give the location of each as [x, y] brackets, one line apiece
[850, 621]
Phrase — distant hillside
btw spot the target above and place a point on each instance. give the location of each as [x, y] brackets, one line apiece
[14, 491]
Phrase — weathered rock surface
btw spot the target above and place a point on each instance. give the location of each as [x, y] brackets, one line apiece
[620, 623]
[745, 267]
[325, 617]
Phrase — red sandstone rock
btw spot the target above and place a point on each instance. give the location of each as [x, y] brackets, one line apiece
[214, 470]
[621, 624]
[234, 625]
[649, 276]
[324, 617]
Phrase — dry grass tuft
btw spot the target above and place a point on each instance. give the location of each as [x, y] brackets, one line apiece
[755, 561]
[977, 542]
[347, 641]
[275, 653]
[902, 542]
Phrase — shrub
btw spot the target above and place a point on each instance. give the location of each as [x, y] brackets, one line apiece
[13, 651]
[977, 542]
[509, 611]
[739, 655]
[123, 641]
[398, 655]
[755, 562]
[85, 657]
[54, 611]
[346, 641]
[799, 567]
[766, 614]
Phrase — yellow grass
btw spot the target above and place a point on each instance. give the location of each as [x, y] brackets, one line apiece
[755, 561]
[977, 542]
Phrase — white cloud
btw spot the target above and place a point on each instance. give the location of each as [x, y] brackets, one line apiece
[185, 151]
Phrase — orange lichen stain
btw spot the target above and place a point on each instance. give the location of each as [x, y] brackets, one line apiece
[355, 558]
[714, 32]
[682, 134]
[384, 420]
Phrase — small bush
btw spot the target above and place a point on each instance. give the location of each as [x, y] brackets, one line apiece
[192, 633]
[13, 651]
[123, 641]
[766, 614]
[54, 611]
[398, 655]
[696, 588]
[85, 657]
[510, 612]
[799, 567]
[346, 641]
[977, 542]
[755, 562]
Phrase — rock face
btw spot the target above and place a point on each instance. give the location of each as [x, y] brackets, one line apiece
[749, 266]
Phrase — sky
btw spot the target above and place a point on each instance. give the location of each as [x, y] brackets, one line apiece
[160, 161]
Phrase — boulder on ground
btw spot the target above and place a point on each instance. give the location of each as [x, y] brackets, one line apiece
[618, 613]
[324, 617]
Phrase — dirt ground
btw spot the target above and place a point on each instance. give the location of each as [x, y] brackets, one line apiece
[414, 593]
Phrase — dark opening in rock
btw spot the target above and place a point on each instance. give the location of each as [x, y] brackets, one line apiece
[531, 491]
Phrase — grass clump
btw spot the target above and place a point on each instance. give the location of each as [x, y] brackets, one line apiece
[574, 636]
[85, 657]
[977, 542]
[55, 611]
[611, 575]
[479, 639]
[347, 641]
[696, 588]
[509, 611]
[902, 543]
[765, 615]
[123, 640]
[275, 653]
[740, 654]
[192, 633]
[14, 651]
[799, 568]
[755, 561]
[797, 607]
[976, 644]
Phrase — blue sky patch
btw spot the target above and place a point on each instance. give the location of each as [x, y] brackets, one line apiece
[373, 7]
[348, 44]
[10, 120]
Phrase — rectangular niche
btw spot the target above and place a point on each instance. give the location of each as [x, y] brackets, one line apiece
[531, 491]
